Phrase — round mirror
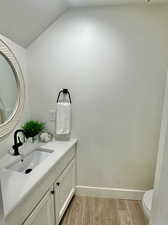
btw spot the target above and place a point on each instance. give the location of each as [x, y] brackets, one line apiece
[11, 90]
[8, 89]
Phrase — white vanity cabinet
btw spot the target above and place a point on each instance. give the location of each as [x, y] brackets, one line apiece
[51, 208]
[43, 214]
[64, 189]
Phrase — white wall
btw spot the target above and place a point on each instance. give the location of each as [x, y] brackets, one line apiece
[20, 54]
[114, 61]
[160, 198]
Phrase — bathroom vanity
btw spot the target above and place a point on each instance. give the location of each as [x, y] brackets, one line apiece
[41, 196]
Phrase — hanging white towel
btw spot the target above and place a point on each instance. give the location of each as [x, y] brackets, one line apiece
[63, 118]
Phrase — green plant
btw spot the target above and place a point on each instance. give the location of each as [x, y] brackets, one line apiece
[32, 128]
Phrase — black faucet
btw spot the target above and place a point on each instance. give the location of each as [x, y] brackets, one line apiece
[17, 143]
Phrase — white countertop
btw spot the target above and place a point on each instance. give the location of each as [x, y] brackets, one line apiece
[15, 185]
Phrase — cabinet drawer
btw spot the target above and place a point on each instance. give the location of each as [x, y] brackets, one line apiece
[66, 159]
[64, 190]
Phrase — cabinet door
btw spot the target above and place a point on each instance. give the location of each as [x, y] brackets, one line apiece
[64, 190]
[43, 214]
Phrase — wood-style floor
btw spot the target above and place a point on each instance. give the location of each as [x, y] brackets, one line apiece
[100, 211]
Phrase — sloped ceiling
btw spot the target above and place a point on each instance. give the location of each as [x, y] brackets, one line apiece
[24, 20]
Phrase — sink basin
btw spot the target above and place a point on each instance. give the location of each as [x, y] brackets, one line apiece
[27, 163]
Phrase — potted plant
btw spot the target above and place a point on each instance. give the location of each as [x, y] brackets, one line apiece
[33, 128]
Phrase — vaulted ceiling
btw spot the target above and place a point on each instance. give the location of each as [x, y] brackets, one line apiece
[24, 20]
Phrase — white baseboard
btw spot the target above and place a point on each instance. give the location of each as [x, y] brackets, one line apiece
[103, 192]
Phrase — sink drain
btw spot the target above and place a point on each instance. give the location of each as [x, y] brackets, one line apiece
[27, 171]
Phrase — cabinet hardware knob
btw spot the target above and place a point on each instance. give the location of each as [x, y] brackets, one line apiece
[52, 192]
[58, 184]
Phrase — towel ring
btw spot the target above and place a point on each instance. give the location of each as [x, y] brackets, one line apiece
[65, 92]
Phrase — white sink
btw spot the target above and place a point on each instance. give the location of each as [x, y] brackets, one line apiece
[27, 163]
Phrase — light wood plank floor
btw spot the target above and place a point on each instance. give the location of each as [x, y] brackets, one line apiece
[100, 211]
